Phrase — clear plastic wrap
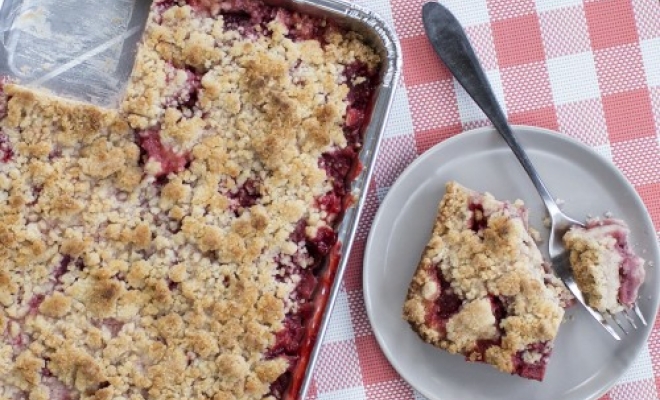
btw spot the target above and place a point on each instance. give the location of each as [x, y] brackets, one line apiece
[82, 49]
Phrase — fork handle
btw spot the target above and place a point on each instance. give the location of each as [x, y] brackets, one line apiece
[452, 45]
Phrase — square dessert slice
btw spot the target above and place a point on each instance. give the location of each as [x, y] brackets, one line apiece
[482, 288]
[605, 268]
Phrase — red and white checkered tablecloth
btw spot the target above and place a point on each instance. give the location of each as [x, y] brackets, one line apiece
[590, 69]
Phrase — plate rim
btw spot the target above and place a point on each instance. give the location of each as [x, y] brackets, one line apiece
[481, 131]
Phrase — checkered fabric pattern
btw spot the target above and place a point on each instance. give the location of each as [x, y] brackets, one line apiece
[590, 69]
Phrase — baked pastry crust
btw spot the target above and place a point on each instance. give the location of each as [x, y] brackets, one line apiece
[482, 289]
[171, 249]
[605, 268]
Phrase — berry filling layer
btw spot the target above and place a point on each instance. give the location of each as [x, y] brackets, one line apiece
[6, 149]
[159, 159]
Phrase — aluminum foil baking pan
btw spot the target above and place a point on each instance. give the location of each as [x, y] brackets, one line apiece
[85, 50]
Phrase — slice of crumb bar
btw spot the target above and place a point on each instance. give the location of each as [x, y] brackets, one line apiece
[605, 268]
[482, 288]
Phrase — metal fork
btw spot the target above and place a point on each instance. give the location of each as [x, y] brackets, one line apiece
[450, 42]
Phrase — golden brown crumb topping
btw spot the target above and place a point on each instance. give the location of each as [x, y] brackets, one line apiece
[588, 264]
[482, 255]
[116, 285]
[605, 268]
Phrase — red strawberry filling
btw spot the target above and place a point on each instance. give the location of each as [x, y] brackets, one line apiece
[631, 279]
[445, 305]
[163, 5]
[6, 149]
[338, 166]
[321, 244]
[61, 269]
[306, 285]
[237, 20]
[478, 221]
[535, 370]
[287, 341]
[155, 150]
[247, 194]
[330, 203]
[354, 118]
[361, 83]
[35, 302]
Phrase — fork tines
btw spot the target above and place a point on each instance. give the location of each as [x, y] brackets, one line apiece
[629, 315]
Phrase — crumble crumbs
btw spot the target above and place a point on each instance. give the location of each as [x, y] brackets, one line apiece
[143, 250]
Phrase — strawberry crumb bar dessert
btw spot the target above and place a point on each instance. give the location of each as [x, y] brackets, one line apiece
[482, 288]
[605, 268]
[177, 248]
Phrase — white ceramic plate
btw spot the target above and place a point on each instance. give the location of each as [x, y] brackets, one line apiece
[586, 361]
